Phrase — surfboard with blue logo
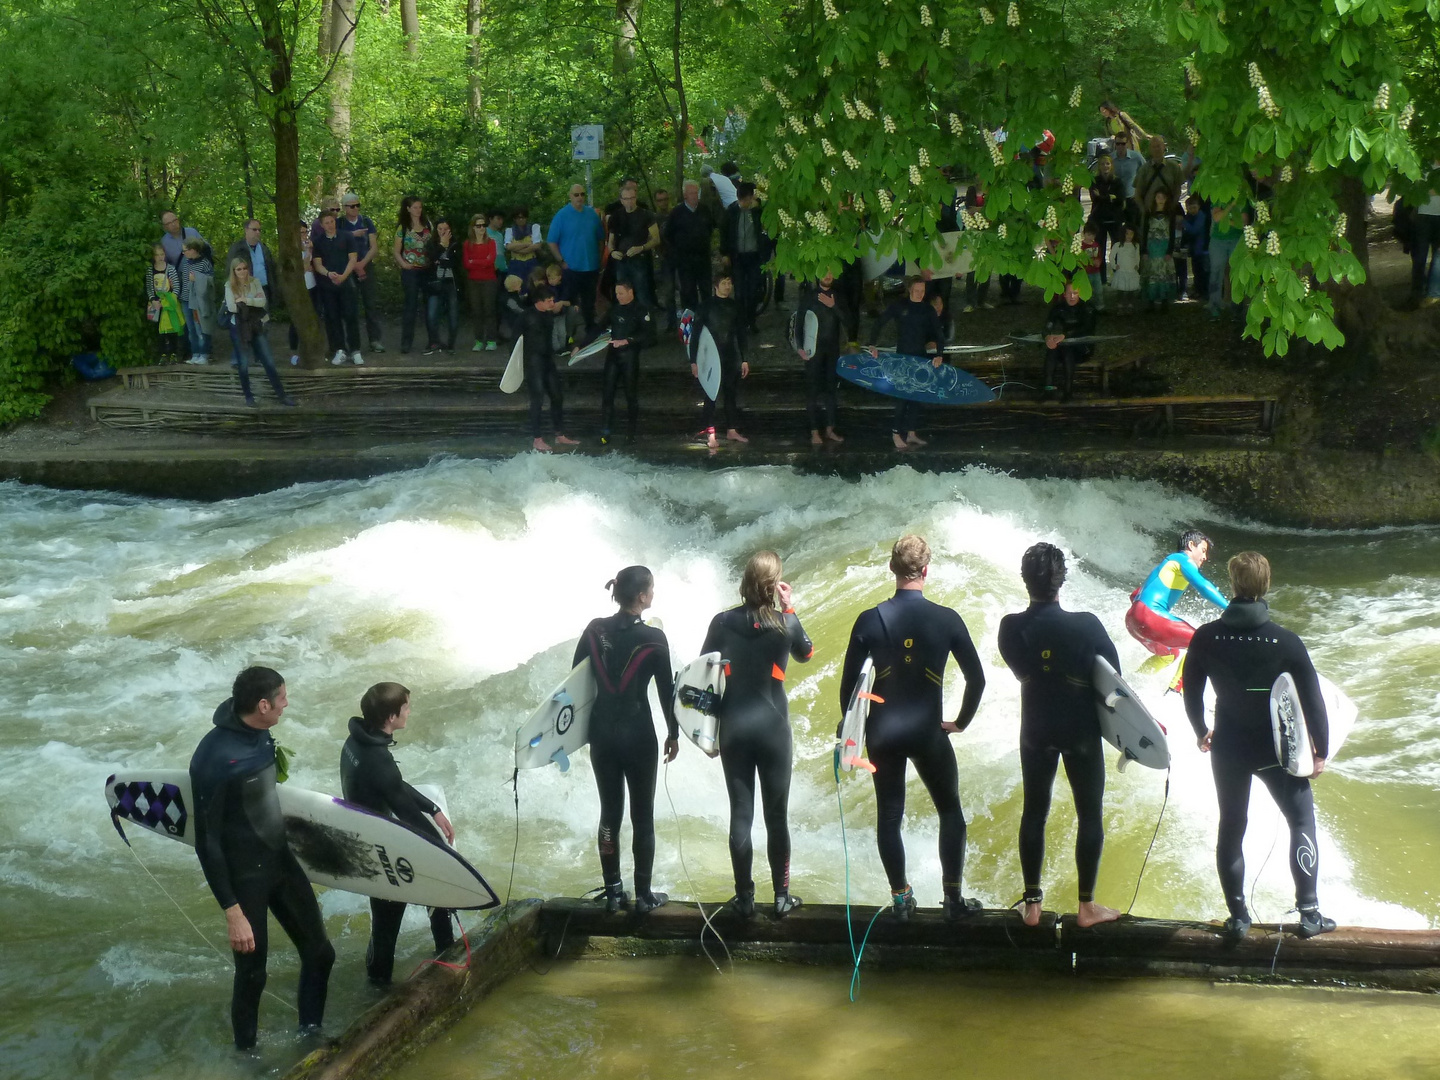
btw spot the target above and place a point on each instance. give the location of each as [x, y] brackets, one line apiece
[912, 378]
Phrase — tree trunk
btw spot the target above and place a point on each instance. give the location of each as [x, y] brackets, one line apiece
[682, 126]
[1352, 199]
[342, 40]
[627, 13]
[322, 37]
[410, 26]
[474, 24]
[285, 128]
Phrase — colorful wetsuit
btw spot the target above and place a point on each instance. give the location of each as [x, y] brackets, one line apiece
[1149, 620]
[754, 733]
[910, 640]
[1242, 653]
[625, 655]
[1052, 652]
[240, 839]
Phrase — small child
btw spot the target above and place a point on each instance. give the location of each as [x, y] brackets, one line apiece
[162, 288]
[197, 279]
[1125, 269]
[1090, 248]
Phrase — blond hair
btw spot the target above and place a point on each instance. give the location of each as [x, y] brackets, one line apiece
[1249, 575]
[757, 586]
[909, 557]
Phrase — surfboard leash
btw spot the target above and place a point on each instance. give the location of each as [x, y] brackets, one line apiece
[203, 937]
[1146, 861]
[437, 962]
[680, 848]
[856, 955]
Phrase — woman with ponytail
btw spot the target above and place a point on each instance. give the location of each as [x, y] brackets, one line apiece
[757, 640]
[624, 656]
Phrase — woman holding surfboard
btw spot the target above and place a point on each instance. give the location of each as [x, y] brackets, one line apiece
[757, 640]
[624, 656]
[720, 318]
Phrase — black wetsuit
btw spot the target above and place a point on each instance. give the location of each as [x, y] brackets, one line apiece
[919, 332]
[625, 655]
[240, 839]
[820, 368]
[1052, 652]
[629, 323]
[541, 378]
[369, 777]
[909, 639]
[754, 733]
[1242, 653]
[1077, 320]
[721, 316]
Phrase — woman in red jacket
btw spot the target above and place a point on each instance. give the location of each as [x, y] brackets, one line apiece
[482, 290]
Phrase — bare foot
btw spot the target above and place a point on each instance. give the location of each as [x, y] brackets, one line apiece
[815, 439]
[711, 441]
[899, 442]
[915, 440]
[735, 436]
[1031, 915]
[564, 441]
[830, 434]
[1092, 914]
[541, 445]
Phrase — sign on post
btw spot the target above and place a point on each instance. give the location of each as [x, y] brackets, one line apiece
[587, 142]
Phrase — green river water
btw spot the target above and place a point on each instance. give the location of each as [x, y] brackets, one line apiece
[123, 620]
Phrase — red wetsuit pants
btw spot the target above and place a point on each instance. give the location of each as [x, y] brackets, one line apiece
[1163, 635]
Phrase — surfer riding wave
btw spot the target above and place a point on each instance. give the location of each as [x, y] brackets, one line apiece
[1149, 619]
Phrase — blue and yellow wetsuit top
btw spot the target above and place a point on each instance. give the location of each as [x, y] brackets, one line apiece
[1168, 582]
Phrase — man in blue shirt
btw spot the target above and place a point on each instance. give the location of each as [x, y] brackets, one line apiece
[263, 266]
[175, 237]
[1127, 163]
[575, 235]
[365, 239]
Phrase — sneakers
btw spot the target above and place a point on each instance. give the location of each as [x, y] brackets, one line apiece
[294, 359]
[961, 907]
[648, 902]
[479, 346]
[785, 903]
[903, 904]
[375, 346]
[198, 359]
[357, 359]
[338, 358]
[288, 401]
[431, 350]
[1238, 926]
[742, 904]
[1313, 924]
[491, 346]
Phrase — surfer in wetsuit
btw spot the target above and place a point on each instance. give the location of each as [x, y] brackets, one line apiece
[369, 777]
[240, 840]
[1069, 317]
[918, 332]
[1149, 619]
[624, 656]
[720, 314]
[537, 328]
[628, 321]
[909, 638]
[756, 640]
[1242, 653]
[820, 368]
[1052, 652]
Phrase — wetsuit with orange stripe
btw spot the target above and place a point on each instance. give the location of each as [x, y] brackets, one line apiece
[754, 732]
[625, 655]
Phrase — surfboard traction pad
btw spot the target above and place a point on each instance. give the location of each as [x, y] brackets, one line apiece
[139, 802]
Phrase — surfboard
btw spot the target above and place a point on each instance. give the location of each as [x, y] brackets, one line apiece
[804, 329]
[699, 688]
[561, 725]
[338, 844]
[878, 254]
[1125, 723]
[514, 376]
[912, 378]
[1287, 723]
[707, 362]
[1087, 339]
[946, 259]
[953, 350]
[599, 345]
[850, 748]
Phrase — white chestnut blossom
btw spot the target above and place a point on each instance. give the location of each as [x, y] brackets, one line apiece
[1252, 238]
[1287, 174]
[1382, 97]
[925, 19]
[889, 126]
[784, 101]
[1012, 16]
[1000, 232]
[818, 120]
[1077, 243]
[791, 72]
[1256, 79]
[1406, 115]
[830, 12]
[779, 162]
[849, 111]
[945, 38]
[882, 60]
[1075, 97]
[1262, 213]
[1193, 72]
[825, 183]
[797, 125]
[1077, 147]
[850, 160]
[1051, 222]
[1267, 103]
[863, 110]
[1191, 135]
[914, 176]
[1272, 243]
[986, 17]
[1068, 186]
[785, 218]
[956, 127]
[1342, 223]
[884, 197]
[790, 152]
[827, 146]
[1039, 252]
[924, 157]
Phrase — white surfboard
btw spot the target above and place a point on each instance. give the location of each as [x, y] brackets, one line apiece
[561, 725]
[851, 745]
[338, 844]
[707, 363]
[947, 258]
[1125, 723]
[1287, 723]
[514, 376]
[699, 688]
[599, 345]
[877, 254]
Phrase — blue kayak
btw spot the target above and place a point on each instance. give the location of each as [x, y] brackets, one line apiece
[912, 378]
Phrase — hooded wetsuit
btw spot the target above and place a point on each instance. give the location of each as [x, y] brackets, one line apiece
[1242, 653]
[541, 379]
[918, 332]
[369, 777]
[240, 839]
[721, 316]
[625, 655]
[1149, 620]
[820, 369]
[754, 733]
[622, 364]
[910, 640]
[1052, 652]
